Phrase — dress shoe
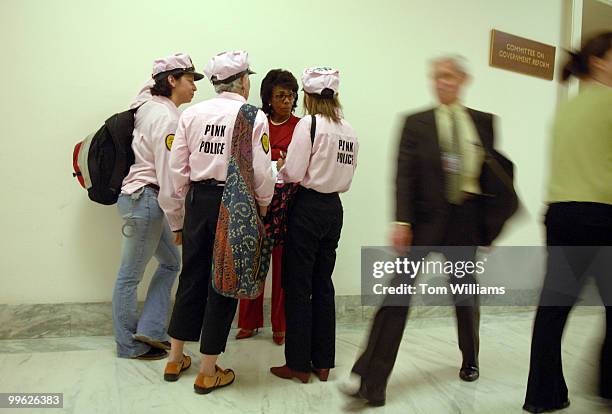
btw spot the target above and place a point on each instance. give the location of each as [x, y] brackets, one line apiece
[222, 378]
[469, 373]
[278, 338]
[246, 333]
[536, 409]
[373, 400]
[174, 370]
[321, 373]
[288, 373]
[165, 345]
[152, 355]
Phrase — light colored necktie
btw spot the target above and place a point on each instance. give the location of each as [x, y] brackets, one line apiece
[454, 175]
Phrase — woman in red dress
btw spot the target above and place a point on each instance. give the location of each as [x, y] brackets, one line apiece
[279, 91]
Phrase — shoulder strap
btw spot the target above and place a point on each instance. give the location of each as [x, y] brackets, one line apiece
[313, 128]
[120, 128]
[242, 136]
[250, 113]
[136, 108]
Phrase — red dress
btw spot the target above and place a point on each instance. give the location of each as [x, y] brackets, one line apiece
[251, 311]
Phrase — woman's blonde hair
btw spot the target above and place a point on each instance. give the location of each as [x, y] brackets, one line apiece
[327, 107]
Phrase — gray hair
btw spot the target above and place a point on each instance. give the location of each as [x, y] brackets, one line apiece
[233, 86]
[460, 62]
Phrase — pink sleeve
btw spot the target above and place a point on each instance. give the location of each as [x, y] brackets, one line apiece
[179, 176]
[162, 134]
[298, 153]
[262, 167]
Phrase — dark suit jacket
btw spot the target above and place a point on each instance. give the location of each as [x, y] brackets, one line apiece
[420, 181]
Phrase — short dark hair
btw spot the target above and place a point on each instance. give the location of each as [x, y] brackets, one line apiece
[277, 77]
[578, 64]
[162, 87]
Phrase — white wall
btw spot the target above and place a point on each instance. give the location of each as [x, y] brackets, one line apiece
[68, 64]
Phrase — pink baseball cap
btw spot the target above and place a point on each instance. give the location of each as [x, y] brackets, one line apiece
[180, 62]
[321, 81]
[226, 67]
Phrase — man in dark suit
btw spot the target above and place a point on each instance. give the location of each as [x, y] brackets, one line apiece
[439, 202]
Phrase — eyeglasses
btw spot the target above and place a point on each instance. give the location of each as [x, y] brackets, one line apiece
[283, 96]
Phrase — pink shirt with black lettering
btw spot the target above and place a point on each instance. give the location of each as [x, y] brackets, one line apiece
[202, 146]
[328, 164]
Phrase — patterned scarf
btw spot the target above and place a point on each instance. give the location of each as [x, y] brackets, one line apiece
[241, 257]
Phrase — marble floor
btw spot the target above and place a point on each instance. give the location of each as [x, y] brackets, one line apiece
[424, 380]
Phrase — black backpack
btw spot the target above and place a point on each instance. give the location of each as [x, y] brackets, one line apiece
[103, 159]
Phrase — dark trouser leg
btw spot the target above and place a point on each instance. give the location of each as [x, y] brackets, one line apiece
[220, 311]
[375, 364]
[464, 235]
[468, 321]
[299, 258]
[467, 307]
[567, 224]
[323, 303]
[546, 386]
[201, 212]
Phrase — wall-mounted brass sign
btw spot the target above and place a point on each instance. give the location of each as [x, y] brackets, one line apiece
[522, 55]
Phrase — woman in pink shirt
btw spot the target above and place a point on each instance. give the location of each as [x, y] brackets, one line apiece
[323, 163]
[146, 190]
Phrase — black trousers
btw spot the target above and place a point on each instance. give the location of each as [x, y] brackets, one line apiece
[376, 362]
[199, 311]
[309, 257]
[568, 224]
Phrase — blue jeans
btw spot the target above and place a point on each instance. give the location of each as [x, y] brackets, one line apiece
[145, 234]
